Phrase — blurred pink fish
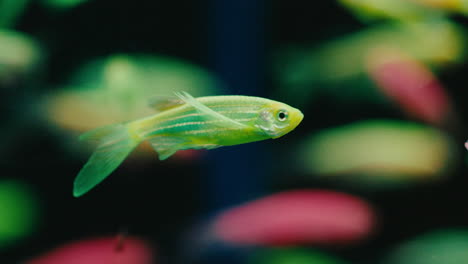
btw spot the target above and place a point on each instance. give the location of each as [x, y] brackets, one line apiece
[296, 217]
[410, 83]
[104, 250]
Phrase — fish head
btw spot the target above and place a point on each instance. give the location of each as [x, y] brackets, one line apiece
[277, 119]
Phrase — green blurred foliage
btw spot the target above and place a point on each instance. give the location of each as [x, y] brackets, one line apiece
[19, 54]
[378, 152]
[62, 4]
[19, 212]
[10, 11]
[447, 246]
[371, 10]
[338, 67]
[119, 88]
[293, 256]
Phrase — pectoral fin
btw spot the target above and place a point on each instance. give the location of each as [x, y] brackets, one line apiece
[210, 114]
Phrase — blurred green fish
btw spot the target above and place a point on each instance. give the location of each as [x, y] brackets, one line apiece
[186, 123]
[404, 10]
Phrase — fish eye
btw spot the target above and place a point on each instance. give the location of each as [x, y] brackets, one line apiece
[282, 115]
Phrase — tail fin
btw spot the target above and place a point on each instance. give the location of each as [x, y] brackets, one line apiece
[114, 144]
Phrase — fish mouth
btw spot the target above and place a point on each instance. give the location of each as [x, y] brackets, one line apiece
[296, 119]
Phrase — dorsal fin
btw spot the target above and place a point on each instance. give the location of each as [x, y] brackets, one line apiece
[162, 103]
[224, 121]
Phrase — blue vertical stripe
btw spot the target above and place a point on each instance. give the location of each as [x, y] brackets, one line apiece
[237, 57]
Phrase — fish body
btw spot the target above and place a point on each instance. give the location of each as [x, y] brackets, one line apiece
[187, 123]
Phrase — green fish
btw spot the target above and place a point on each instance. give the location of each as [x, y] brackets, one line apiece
[184, 122]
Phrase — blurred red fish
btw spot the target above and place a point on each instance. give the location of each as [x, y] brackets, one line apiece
[410, 83]
[296, 217]
[104, 250]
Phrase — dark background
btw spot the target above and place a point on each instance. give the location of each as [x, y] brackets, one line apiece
[160, 201]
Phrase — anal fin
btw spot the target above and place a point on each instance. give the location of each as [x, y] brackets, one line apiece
[166, 146]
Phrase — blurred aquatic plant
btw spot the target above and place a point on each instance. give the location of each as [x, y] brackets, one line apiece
[378, 153]
[19, 212]
[447, 246]
[437, 43]
[371, 10]
[293, 256]
[19, 55]
[296, 217]
[100, 250]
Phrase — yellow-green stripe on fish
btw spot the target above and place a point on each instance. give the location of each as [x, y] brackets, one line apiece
[184, 122]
